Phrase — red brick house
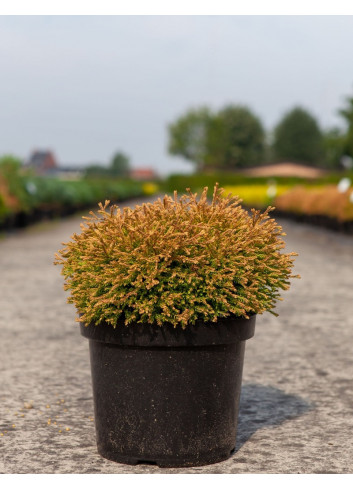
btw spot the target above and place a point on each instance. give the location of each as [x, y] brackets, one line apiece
[42, 162]
[143, 174]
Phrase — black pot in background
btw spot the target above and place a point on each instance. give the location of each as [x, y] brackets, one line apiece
[167, 396]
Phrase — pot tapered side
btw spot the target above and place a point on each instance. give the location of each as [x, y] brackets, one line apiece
[174, 406]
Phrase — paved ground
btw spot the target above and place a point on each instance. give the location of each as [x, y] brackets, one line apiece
[297, 398]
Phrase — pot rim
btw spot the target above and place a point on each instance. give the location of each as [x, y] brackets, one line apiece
[227, 330]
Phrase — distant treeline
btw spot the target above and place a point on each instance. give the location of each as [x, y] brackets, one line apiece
[235, 138]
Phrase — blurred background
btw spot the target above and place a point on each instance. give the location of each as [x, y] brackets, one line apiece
[115, 107]
[127, 108]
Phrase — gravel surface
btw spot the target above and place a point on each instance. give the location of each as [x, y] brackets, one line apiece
[296, 412]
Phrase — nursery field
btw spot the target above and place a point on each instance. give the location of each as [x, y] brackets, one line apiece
[325, 201]
[296, 413]
[26, 198]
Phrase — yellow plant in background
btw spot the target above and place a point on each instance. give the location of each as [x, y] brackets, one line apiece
[150, 188]
[256, 195]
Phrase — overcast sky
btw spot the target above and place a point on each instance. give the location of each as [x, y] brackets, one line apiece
[86, 87]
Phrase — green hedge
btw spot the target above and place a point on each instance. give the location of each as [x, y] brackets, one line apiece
[54, 193]
[198, 181]
[29, 195]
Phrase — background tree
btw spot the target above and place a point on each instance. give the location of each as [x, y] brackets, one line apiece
[236, 139]
[96, 170]
[232, 138]
[119, 165]
[188, 136]
[334, 143]
[298, 137]
[347, 114]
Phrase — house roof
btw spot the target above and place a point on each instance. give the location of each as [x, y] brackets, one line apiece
[285, 169]
[143, 172]
[38, 157]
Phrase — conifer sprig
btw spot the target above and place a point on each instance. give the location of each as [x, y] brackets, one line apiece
[175, 261]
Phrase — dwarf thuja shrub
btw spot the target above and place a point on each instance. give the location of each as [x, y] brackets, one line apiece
[175, 261]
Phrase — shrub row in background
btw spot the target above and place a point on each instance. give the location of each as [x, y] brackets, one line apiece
[198, 181]
[258, 195]
[27, 198]
[329, 206]
[330, 201]
[327, 201]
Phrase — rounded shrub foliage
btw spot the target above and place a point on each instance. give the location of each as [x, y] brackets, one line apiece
[177, 260]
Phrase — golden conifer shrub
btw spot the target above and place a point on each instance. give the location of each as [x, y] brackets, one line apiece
[175, 261]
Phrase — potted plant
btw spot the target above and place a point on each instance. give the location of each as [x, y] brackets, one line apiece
[167, 294]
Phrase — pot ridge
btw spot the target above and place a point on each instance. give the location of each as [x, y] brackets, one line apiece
[225, 331]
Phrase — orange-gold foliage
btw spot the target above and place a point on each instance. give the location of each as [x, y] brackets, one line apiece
[175, 261]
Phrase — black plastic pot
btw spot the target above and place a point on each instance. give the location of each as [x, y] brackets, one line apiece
[167, 396]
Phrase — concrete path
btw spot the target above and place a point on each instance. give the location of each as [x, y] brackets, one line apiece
[297, 398]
